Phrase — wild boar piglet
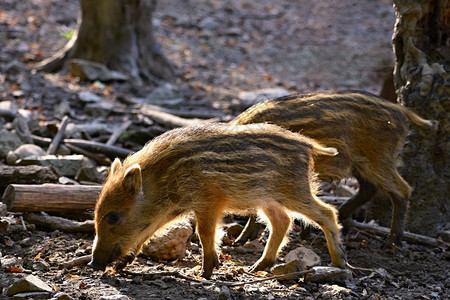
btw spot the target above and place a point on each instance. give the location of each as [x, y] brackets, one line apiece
[209, 170]
[369, 132]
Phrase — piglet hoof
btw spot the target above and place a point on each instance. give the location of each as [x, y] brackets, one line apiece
[260, 266]
[209, 264]
[123, 262]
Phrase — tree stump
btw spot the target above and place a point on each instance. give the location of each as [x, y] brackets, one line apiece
[119, 35]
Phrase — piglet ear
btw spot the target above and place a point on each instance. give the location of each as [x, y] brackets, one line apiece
[132, 180]
[116, 165]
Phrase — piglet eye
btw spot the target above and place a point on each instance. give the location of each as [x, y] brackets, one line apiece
[113, 218]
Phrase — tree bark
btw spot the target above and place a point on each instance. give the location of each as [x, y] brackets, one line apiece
[118, 34]
[421, 44]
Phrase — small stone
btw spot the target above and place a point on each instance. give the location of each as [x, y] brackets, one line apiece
[285, 269]
[3, 210]
[170, 244]
[233, 230]
[444, 235]
[224, 293]
[89, 97]
[9, 106]
[24, 151]
[14, 67]
[208, 23]
[329, 274]
[31, 295]
[8, 262]
[89, 174]
[249, 98]
[61, 296]
[67, 165]
[305, 258]
[255, 244]
[99, 109]
[114, 297]
[28, 284]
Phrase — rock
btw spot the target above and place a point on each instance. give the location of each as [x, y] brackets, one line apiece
[9, 106]
[10, 262]
[343, 191]
[329, 274]
[170, 244]
[28, 284]
[224, 293]
[444, 235]
[67, 165]
[305, 258]
[93, 129]
[3, 209]
[208, 23]
[61, 296]
[14, 67]
[255, 244]
[233, 230]
[299, 259]
[67, 181]
[89, 70]
[8, 142]
[31, 295]
[114, 297]
[247, 99]
[24, 151]
[285, 269]
[90, 174]
[62, 109]
[98, 109]
[166, 94]
[88, 97]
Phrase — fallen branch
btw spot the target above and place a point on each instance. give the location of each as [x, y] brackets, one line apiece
[59, 136]
[108, 150]
[82, 260]
[99, 159]
[167, 119]
[57, 223]
[407, 236]
[50, 197]
[116, 135]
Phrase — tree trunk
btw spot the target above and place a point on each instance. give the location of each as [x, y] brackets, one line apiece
[421, 44]
[119, 35]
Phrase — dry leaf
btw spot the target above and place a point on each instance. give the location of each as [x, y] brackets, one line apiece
[263, 274]
[13, 270]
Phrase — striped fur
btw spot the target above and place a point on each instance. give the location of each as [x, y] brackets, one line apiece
[368, 132]
[212, 169]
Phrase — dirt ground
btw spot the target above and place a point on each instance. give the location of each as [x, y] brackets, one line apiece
[220, 48]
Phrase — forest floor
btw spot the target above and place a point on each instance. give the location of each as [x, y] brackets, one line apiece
[220, 48]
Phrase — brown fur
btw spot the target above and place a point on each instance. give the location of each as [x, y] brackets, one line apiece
[368, 131]
[212, 169]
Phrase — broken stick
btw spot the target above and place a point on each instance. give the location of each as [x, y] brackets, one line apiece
[167, 119]
[50, 197]
[59, 136]
[407, 236]
[57, 223]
